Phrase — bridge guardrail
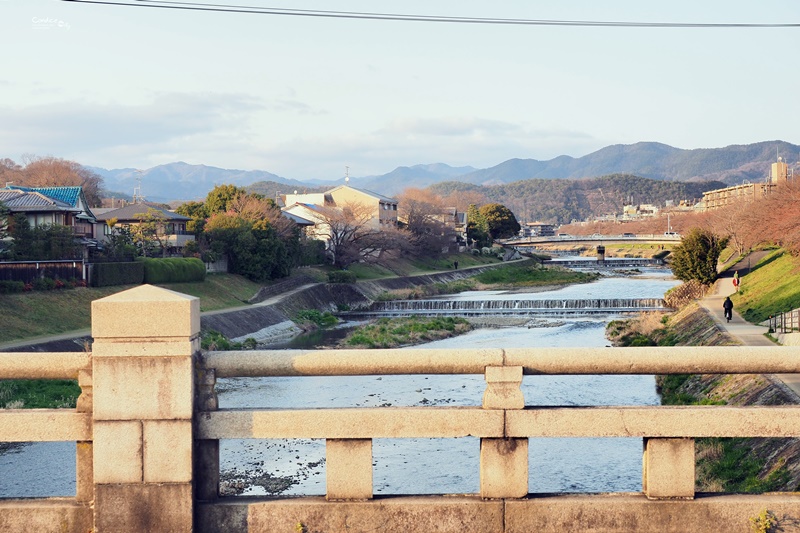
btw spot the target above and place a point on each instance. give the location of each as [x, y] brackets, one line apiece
[148, 429]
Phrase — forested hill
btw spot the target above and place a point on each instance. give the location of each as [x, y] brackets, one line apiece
[731, 164]
[561, 201]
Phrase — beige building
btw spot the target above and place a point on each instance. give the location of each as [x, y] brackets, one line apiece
[780, 174]
[384, 208]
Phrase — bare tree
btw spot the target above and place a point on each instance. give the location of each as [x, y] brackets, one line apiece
[427, 220]
[259, 209]
[54, 172]
[353, 235]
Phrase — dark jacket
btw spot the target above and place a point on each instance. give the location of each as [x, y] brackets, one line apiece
[727, 304]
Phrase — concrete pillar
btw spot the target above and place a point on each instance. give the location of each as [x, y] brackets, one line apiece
[145, 340]
[348, 469]
[503, 462]
[668, 468]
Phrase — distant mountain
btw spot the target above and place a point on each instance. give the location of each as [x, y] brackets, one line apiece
[731, 165]
[560, 201]
[182, 181]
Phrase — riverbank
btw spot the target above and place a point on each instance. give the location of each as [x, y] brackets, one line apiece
[723, 465]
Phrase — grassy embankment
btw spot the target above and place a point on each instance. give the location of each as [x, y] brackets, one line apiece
[733, 464]
[38, 314]
[33, 315]
[772, 286]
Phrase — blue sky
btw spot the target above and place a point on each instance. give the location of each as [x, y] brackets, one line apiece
[304, 97]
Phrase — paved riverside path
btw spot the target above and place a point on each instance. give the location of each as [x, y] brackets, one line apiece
[738, 328]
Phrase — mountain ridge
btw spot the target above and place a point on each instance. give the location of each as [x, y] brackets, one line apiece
[729, 165]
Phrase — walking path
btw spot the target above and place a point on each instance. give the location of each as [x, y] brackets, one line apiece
[746, 333]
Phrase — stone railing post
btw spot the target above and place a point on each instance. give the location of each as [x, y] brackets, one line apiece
[348, 469]
[84, 480]
[668, 468]
[504, 462]
[206, 459]
[145, 340]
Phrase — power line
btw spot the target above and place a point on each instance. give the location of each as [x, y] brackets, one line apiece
[255, 10]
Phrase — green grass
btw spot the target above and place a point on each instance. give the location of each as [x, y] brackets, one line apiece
[526, 275]
[772, 287]
[34, 314]
[38, 393]
[412, 267]
[219, 291]
[736, 469]
[393, 332]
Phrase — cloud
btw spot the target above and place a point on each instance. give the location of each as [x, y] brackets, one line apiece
[79, 127]
[453, 126]
[297, 106]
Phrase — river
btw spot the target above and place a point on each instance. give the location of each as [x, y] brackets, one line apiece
[419, 466]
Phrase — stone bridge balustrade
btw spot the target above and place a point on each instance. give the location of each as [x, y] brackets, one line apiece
[148, 428]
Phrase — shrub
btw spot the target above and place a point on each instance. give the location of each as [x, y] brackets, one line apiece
[322, 320]
[44, 284]
[216, 341]
[108, 274]
[341, 276]
[9, 287]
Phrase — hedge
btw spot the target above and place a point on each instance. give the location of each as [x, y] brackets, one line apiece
[173, 270]
[107, 274]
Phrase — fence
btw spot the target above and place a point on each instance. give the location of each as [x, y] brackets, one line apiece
[785, 322]
[29, 271]
[148, 429]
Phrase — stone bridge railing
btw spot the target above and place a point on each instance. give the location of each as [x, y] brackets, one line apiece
[148, 431]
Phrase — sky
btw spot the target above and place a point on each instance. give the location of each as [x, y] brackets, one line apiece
[304, 97]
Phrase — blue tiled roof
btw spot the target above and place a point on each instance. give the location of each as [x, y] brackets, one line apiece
[68, 195]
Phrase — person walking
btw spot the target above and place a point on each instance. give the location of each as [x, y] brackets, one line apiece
[727, 306]
[736, 280]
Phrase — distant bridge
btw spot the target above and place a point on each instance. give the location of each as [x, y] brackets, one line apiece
[654, 238]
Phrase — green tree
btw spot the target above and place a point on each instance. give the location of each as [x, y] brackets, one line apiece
[500, 221]
[695, 258]
[477, 227]
[255, 250]
[197, 212]
[219, 199]
[41, 243]
[151, 234]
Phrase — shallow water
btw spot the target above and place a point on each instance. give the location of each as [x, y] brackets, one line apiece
[435, 466]
[419, 466]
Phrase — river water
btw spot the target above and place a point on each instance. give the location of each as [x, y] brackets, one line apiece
[418, 466]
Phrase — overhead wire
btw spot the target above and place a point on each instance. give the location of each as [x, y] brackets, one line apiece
[247, 9]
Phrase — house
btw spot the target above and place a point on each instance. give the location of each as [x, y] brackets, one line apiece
[172, 225]
[384, 208]
[63, 206]
[314, 225]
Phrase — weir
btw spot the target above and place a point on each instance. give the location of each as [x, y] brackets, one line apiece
[521, 307]
[607, 263]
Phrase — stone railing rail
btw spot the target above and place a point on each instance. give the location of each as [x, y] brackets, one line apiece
[148, 431]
